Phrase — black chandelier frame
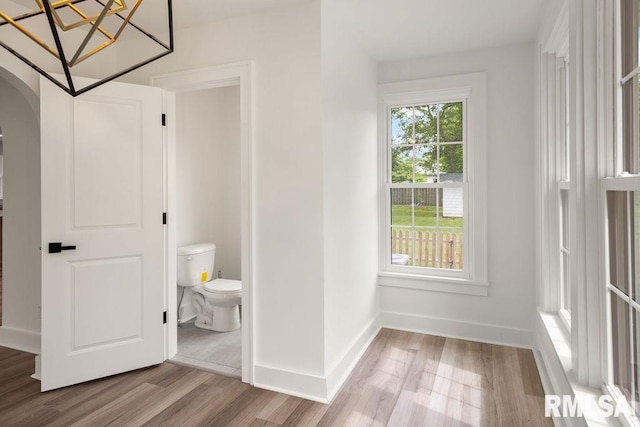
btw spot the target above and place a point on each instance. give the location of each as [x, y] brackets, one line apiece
[71, 90]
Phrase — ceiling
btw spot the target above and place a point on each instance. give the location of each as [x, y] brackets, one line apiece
[393, 29]
[189, 13]
[400, 29]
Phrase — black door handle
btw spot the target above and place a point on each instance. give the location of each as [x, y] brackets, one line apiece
[56, 248]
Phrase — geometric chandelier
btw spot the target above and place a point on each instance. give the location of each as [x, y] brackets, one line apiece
[67, 40]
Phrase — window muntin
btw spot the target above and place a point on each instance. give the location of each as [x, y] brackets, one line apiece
[565, 268]
[427, 191]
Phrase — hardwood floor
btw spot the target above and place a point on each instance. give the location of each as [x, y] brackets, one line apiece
[404, 379]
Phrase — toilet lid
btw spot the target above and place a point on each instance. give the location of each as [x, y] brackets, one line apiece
[223, 286]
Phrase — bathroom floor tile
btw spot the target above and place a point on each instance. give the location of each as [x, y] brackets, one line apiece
[216, 351]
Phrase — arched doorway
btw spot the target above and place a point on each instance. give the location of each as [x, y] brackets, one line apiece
[20, 289]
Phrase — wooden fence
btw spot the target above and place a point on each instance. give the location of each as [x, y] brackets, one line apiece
[423, 250]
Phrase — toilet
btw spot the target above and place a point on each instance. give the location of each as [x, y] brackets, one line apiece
[217, 301]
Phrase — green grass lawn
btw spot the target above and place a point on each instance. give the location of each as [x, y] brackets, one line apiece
[425, 216]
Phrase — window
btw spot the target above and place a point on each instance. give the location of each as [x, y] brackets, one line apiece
[564, 188]
[622, 215]
[555, 197]
[432, 182]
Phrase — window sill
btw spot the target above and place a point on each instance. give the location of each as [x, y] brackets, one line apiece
[431, 283]
[561, 342]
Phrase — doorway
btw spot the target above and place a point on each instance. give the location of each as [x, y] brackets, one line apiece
[236, 78]
[21, 275]
[207, 212]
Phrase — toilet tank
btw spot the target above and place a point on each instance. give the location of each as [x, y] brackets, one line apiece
[195, 263]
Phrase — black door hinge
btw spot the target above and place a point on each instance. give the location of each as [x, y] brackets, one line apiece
[164, 318]
[164, 218]
[164, 119]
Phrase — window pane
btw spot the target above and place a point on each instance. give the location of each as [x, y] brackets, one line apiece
[425, 167]
[565, 284]
[451, 125]
[402, 164]
[401, 125]
[566, 150]
[451, 223]
[629, 21]
[426, 124]
[451, 162]
[630, 126]
[426, 230]
[439, 220]
[425, 199]
[401, 207]
[426, 207]
[620, 335]
[401, 246]
[635, 226]
[617, 208]
[564, 219]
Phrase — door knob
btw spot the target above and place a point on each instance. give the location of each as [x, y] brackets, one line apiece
[56, 248]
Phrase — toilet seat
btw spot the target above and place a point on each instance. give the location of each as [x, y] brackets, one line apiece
[223, 286]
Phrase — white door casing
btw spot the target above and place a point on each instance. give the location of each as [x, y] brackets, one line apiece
[241, 74]
[102, 191]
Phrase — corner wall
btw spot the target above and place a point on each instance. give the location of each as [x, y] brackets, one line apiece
[349, 127]
[284, 45]
[506, 316]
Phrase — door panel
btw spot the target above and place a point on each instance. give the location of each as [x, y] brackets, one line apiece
[113, 142]
[115, 283]
[102, 191]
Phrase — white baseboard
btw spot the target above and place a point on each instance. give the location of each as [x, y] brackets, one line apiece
[339, 371]
[299, 384]
[317, 387]
[19, 339]
[481, 332]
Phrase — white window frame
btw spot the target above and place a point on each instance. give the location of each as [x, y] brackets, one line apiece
[614, 178]
[556, 157]
[471, 89]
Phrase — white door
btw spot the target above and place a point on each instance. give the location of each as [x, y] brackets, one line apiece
[102, 192]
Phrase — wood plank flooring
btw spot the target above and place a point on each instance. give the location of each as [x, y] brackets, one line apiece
[403, 379]
[0, 292]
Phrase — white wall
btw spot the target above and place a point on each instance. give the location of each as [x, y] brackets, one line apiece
[507, 314]
[208, 173]
[349, 126]
[284, 44]
[208, 176]
[21, 222]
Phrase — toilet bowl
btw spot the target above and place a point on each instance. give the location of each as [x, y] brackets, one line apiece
[217, 302]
